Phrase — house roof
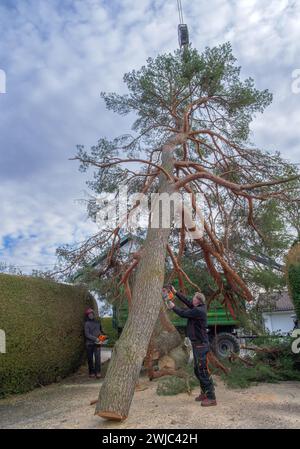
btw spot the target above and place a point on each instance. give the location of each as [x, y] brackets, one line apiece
[276, 302]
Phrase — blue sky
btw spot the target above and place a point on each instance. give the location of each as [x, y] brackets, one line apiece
[59, 55]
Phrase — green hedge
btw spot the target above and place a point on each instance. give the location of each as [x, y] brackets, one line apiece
[43, 322]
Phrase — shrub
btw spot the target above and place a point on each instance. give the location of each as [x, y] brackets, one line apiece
[172, 385]
[43, 322]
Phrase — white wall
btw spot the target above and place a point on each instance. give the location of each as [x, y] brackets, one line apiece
[279, 321]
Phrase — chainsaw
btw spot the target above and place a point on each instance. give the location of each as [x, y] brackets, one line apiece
[102, 340]
[168, 295]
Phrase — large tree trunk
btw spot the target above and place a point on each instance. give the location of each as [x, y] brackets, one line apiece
[117, 391]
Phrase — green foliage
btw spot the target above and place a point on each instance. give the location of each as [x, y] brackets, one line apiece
[43, 322]
[267, 367]
[170, 78]
[158, 95]
[272, 367]
[172, 385]
[108, 329]
[242, 376]
[249, 247]
[271, 221]
[266, 278]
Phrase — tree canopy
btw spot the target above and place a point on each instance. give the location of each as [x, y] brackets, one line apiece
[200, 98]
[190, 134]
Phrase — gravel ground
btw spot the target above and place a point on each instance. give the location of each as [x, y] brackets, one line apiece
[67, 405]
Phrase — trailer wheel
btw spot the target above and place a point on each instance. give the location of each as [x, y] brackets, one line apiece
[224, 343]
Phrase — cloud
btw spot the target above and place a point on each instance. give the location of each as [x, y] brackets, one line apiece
[35, 222]
[58, 57]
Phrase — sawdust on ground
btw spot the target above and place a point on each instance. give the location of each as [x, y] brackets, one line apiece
[67, 405]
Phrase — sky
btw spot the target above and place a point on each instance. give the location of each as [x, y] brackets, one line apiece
[58, 55]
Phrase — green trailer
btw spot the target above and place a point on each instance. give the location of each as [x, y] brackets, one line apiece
[221, 327]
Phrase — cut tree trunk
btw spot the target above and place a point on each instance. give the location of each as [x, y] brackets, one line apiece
[166, 346]
[165, 336]
[118, 388]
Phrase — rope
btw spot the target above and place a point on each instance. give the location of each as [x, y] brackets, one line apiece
[181, 21]
[180, 13]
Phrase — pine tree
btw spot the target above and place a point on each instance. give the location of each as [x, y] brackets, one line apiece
[190, 135]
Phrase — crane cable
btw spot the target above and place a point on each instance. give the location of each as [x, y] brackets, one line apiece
[180, 13]
[181, 21]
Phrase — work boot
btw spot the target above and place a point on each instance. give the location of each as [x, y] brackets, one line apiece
[208, 402]
[201, 397]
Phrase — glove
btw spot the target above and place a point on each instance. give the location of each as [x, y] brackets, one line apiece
[170, 305]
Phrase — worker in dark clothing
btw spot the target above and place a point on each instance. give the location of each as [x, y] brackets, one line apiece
[92, 330]
[196, 315]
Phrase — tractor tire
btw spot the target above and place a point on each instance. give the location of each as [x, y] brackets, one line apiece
[224, 343]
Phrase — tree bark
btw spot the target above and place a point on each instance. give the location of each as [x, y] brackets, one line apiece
[118, 388]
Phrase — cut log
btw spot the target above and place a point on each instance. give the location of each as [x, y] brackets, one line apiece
[258, 349]
[234, 356]
[166, 362]
[166, 347]
[180, 355]
[111, 416]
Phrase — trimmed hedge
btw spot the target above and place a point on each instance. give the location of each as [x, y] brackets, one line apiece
[43, 322]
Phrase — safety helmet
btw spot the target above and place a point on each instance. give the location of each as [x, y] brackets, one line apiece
[88, 311]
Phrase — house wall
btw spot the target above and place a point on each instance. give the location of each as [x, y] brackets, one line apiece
[279, 321]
